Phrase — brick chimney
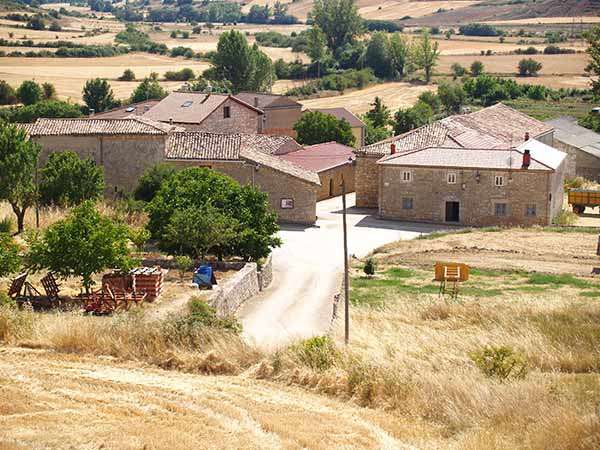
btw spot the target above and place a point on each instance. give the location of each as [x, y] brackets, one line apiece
[393, 149]
[526, 160]
[92, 112]
[170, 121]
[256, 102]
[526, 136]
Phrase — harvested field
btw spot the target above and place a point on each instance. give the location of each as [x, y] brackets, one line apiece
[395, 95]
[474, 47]
[547, 20]
[69, 82]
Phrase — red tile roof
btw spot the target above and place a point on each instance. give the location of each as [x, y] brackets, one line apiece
[87, 127]
[122, 112]
[321, 157]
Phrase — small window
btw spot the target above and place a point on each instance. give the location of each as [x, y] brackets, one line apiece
[187, 104]
[226, 112]
[500, 209]
[406, 176]
[530, 211]
[130, 109]
[499, 180]
[407, 203]
[451, 178]
[287, 203]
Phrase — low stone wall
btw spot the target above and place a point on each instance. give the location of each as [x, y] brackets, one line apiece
[228, 297]
[169, 263]
[265, 275]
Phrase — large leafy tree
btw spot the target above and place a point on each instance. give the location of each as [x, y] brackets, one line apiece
[593, 67]
[18, 162]
[150, 182]
[98, 95]
[399, 52]
[377, 56]
[316, 47]
[338, 19]
[148, 89]
[7, 94]
[10, 261]
[379, 114]
[411, 118]
[83, 244]
[68, 180]
[426, 54]
[452, 96]
[203, 189]
[29, 92]
[314, 127]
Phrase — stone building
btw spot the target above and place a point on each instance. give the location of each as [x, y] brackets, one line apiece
[495, 127]
[216, 113]
[333, 163]
[357, 125]
[280, 112]
[125, 148]
[474, 187]
[582, 146]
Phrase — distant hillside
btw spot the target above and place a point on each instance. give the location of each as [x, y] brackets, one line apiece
[510, 10]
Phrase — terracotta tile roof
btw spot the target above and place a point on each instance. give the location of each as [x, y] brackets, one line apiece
[203, 146]
[190, 107]
[87, 127]
[321, 157]
[472, 158]
[271, 144]
[434, 134]
[133, 109]
[267, 100]
[342, 113]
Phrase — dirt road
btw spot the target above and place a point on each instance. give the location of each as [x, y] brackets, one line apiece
[308, 272]
[50, 400]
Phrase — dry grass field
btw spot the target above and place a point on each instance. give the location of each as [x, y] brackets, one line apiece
[547, 20]
[475, 46]
[395, 95]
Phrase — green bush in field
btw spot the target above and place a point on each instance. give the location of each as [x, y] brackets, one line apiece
[139, 236]
[369, 268]
[565, 217]
[7, 225]
[318, 352]
[10, 261]
[500, 362]
[183, 264]
[201, 313]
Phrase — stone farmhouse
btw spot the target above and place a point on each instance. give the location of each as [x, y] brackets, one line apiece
[450, 163]
[216, 113]
[125, 148]
[280, 112]
[333, 163]
[582, 146]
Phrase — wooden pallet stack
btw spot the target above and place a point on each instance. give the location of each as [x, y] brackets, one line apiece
[148, 280]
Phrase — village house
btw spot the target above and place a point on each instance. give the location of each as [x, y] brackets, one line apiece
[128, 110]
[216, 113]
[333, 163]
[280, 112]
[357, 125]
[125, 148]
[582, 146]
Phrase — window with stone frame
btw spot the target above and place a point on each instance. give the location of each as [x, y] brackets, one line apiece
[226, 112]
[451, 177]
[499, 180]
[500, 209]
[530, 210]
[407, 203]
[406, 176]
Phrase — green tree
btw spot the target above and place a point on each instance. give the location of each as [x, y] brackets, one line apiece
[264, 73]
[128, 75]
[36, 23]
[593, 50]
[316, 47]
[338, 19]
[18, 162]
[374, 134]
[411, 118]
[529, 67]
[477, 68]
[98, 95]
[49, 91]
[83, 244]
[10, 261]
[194, 231]
[68, 180]
[203, 188]
[7, 94]
[148, 89]
[29, 92]
[377, 55]
[399, 51]
[314, 127]
[379, 114]
[151, 181]
[432, 100]
[46, 109]
[426, 54]
[458, 71]
[452, 96]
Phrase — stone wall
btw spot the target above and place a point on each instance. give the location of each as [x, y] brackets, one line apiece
[242, 120]
[331, 181]
[228, 297]
[265, 275]
[579, 163]
[366, 181]
[430, 191]
[276, 184]
[281, 120]
[123, 158]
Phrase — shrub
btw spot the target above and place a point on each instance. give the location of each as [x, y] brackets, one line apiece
[150, 182]
[29, 92]
[7, 225]
[477, 68]
[369, 268]
[184, 74]
[183, 264]
[529, 67]
[139, 237]
[10, 261]
[458, 71]
[318, 353]
[128, 75]
[565, 217]
[479, 29]
[7, 94]
[500, 362]
[202, 313]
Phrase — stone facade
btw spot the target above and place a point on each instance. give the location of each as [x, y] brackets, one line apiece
[227, 298]
[277, 185]
[579, 163]
[331, 181]
[281, 120]
[123, 158]
[366, 181]
[359, 136]
[531, 197]
[242, 120]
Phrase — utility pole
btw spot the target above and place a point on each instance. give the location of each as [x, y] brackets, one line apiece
[37, 199]
[346, 288]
